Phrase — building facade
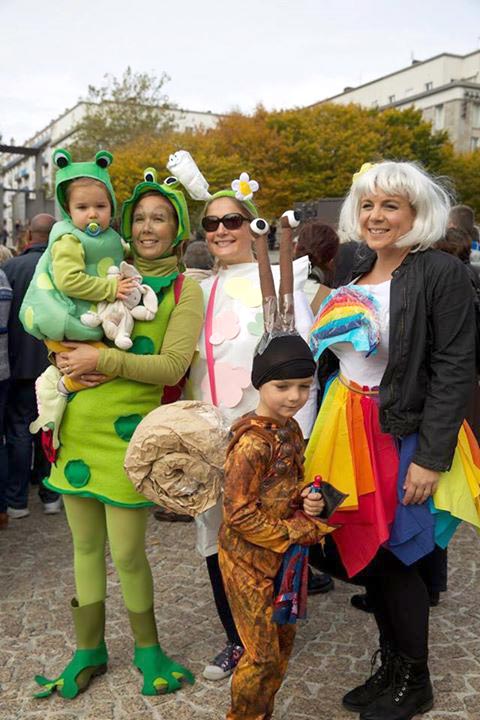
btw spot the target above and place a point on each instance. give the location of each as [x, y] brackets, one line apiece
[446, 88]
[26, 180]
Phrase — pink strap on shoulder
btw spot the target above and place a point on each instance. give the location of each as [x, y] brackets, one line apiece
[177, 287]
[208, 344]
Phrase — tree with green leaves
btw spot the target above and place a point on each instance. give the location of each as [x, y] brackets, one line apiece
[122, 110]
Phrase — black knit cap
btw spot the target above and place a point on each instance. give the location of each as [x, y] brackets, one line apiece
[285, 357]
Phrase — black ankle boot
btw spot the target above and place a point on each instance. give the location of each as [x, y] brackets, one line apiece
[362, 696]
[410, 692]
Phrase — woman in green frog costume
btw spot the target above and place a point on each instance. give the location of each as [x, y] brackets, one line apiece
[100, 501]
[71, 275]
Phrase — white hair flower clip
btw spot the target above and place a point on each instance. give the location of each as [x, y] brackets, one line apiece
[244, 187]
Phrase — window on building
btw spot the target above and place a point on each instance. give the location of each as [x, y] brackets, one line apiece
[391, 98]
[428, 85]
[474, 143]
[408, 91]
[375, 103]
[439, 119]
[476, 115]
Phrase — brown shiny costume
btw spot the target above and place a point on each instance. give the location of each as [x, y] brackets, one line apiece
[263, 480]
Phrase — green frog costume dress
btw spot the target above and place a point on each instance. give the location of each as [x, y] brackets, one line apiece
[99, 499]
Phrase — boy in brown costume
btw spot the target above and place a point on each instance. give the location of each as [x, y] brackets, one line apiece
[267, 507]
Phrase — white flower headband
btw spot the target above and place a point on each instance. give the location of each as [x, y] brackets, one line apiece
[244, 187]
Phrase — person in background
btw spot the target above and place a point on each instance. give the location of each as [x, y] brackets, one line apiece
[320, 242]
[198, 260]
[272, 236]
[458, 242]
[462, 217]
[28, 359]
[344, 261]
[4, 234]
[5, 302]
[5, 254]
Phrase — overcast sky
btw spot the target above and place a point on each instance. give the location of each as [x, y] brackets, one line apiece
[219, 54]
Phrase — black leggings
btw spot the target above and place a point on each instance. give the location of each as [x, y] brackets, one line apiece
[221, 601]
[398, 593]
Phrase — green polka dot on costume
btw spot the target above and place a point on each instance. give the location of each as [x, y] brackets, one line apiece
[28, 317]
[103, 265]
[256, 327]
[125, 425]
[77, 473]
[142, 345]
[44, 282]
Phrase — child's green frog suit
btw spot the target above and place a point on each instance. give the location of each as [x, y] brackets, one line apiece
[47, 312]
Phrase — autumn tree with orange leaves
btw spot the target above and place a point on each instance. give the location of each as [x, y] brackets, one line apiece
[296, 155]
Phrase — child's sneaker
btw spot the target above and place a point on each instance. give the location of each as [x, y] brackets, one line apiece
[225, 662]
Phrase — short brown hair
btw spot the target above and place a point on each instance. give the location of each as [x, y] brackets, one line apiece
[462, 217]
[319, 241]
[456, 242]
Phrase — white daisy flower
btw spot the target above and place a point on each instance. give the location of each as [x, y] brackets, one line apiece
[244, 187]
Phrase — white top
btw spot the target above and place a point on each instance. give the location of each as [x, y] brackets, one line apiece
[368, 371]
[237, 328]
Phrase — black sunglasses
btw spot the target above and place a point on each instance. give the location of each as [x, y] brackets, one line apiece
[231, 221]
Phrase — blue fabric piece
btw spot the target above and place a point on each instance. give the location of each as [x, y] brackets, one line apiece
[445, 525]
[291, 586]
[413, 531]
[353, 330]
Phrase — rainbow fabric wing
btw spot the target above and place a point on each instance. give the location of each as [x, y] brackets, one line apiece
[348, 314]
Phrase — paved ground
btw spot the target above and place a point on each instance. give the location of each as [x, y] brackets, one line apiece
[331, 653]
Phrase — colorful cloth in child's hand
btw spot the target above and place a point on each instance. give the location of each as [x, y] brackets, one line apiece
[291, 586]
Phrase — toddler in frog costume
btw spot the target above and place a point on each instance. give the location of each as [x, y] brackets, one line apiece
[70, 275]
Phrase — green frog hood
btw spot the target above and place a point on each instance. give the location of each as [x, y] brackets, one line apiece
[169, 189]
[67, 170]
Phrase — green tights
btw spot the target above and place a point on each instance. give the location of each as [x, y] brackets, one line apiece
[91, 523]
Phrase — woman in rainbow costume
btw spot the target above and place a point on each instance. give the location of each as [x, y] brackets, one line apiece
[391, 431]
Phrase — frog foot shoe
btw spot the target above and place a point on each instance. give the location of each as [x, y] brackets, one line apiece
[89, 660]
[161, 674]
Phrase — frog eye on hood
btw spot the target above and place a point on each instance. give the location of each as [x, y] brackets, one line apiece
[103, 159]
[62, 158]
[171, 180]
[150, 175]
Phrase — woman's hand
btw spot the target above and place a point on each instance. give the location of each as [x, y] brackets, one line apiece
[313, 503]
[420, 484]
[93, 379]
[81, 360]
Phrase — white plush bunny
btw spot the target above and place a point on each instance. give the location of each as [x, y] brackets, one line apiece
[183, 166]
[117, 318]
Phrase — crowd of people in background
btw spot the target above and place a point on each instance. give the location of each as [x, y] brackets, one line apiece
[398, 595]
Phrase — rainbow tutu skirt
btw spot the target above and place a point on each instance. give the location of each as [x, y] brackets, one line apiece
[348, 448]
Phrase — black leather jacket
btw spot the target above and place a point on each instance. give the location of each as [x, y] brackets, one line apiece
[431, 366]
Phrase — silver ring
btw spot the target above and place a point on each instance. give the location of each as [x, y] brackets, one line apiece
[67, 369]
